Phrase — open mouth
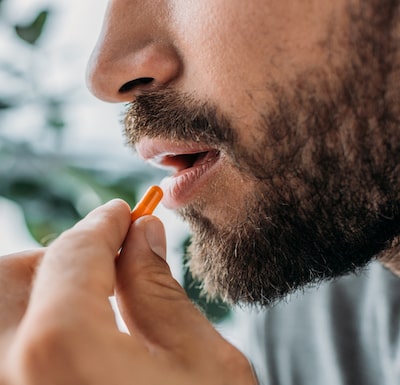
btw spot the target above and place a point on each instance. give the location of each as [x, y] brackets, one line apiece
[193, 167]
[183, 162]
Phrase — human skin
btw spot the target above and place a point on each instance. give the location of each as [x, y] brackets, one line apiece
[243, 47]
[57, 325]
[305, 90]
[222, 51]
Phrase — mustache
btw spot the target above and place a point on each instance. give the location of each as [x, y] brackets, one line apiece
[174, 116]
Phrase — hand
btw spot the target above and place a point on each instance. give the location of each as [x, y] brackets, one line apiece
[16, 275]
[68, 334]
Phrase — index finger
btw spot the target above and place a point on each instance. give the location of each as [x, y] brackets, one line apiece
[79, 265]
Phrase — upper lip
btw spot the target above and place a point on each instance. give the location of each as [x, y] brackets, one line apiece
[169, 154]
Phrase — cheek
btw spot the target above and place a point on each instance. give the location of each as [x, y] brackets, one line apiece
[226, 52]
[232, 49]
[217, 41]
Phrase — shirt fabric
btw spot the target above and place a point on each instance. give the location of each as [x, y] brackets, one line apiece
[342, 332]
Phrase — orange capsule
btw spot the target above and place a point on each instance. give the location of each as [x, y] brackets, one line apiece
[148, 203]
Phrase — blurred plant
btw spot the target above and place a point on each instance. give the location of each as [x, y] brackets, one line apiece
[53, 187]
[33, 30]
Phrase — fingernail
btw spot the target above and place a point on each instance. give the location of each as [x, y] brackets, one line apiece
[155, 236]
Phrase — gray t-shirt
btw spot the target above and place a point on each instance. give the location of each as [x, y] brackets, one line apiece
[343, 332]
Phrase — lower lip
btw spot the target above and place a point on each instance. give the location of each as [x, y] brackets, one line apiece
[180, 188]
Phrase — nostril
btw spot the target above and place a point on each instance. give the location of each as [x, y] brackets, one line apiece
[129, 86]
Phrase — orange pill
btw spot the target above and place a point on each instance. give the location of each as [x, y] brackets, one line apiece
[148, 203]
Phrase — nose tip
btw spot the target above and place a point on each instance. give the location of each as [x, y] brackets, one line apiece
[119, 72]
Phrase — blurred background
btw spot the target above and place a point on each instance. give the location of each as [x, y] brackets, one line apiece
[61, 150]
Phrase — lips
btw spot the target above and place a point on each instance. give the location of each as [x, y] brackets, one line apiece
[192, 166]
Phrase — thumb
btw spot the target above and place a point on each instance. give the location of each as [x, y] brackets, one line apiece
[153, 304]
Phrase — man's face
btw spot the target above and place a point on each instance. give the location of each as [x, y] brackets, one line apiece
[280, 124]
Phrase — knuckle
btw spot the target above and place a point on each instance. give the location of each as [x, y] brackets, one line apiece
[102, 231]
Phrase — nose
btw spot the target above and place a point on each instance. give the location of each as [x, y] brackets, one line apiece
[134, 52]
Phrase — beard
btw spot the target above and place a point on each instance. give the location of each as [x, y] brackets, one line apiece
[326, 182]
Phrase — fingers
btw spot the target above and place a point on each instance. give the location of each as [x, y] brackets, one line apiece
[78, 269]
[70, 325]
[152, 303]
[16, 274]
[160, 315]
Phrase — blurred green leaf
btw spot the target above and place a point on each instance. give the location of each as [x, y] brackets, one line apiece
[5, 104]
[52, 192]
[31, 32]
[55, 114]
